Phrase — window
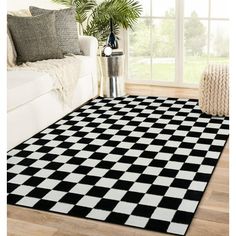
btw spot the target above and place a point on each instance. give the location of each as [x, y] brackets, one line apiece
[174, 40]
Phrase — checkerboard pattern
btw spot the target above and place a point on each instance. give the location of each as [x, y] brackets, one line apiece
[137, 161]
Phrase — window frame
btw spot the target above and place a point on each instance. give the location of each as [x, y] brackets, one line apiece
[179, 46]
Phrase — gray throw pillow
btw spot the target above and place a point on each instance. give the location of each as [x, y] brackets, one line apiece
[66, 28]
[34, 38]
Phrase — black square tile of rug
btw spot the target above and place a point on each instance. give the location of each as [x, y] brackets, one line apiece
[136, 161]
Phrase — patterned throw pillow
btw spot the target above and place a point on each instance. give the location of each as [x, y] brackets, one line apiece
[34, 38]
[66, 28]
[11, 51]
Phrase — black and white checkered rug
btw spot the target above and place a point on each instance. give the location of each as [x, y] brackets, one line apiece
[135, 161]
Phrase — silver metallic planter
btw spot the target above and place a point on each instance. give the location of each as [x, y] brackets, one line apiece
[112, 80]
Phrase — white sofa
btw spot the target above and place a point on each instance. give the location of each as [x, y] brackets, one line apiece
[33, 103]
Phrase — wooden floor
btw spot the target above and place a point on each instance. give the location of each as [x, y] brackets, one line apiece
[211, 218]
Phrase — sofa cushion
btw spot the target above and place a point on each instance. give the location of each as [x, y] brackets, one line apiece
[24, 86]
[28, 83]
[66, 28]
[34, 37]
[22, 12]
[11, 51]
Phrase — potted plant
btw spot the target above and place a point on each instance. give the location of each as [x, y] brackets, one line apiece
[99, 18]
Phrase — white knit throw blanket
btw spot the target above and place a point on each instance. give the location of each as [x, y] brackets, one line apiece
[63, 71]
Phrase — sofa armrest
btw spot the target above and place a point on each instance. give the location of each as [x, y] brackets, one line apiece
[88, 45]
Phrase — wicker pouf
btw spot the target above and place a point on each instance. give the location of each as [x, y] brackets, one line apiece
[214, 90]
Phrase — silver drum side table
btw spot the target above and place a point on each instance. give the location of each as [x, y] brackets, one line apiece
[112, 80]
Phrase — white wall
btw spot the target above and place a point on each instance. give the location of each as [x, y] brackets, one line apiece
[14, 5]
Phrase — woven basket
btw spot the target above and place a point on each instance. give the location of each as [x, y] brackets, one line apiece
[214, 90]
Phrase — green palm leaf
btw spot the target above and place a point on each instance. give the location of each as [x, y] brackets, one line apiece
[124, 13]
